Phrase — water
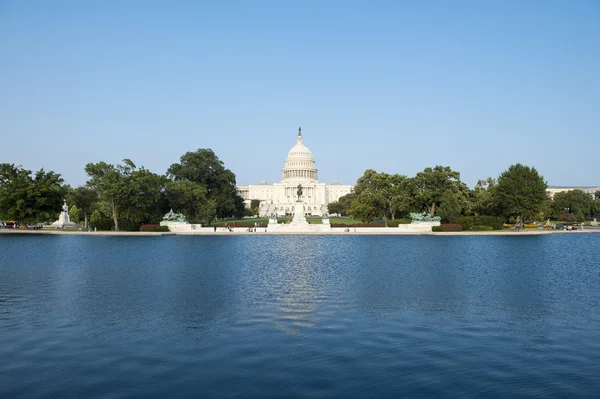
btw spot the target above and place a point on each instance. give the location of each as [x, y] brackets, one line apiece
[299, 316]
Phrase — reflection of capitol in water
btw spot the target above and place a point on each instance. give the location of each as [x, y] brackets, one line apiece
[298, 293]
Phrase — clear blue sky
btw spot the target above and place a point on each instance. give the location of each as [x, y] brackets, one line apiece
[389, 85]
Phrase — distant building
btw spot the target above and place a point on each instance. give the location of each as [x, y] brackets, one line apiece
[591, 190]
[299, 168]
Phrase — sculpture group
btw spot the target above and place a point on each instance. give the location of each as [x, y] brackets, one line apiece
[423, 217]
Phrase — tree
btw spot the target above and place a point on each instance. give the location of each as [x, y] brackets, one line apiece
[432, 184]
[576, 202]
[403, 192]
[111, 184]
[451, 206]
[25, 199]
[520, 192]
[341, 206]
[85, 199]
[596, 208]
[205, 168]
[144, 204]
[254, 206]
[190, 199]
[482, 198]
[372, 196]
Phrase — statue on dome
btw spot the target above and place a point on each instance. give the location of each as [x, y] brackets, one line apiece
[299, 192]
[299, 131]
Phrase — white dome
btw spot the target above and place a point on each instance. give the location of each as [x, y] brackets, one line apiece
[299, 164]
[299, 150]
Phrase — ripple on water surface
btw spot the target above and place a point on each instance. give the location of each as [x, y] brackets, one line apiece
[299, 316]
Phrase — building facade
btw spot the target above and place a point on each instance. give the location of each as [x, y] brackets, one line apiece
[299, 169]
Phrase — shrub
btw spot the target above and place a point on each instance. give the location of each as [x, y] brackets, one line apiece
[357, 225]
[154, 227]
[447, 227]
[149, 227]
[496, 223]
[451, 227]
[481, 228]
[567, 217]
[531, 225]
[395, 223]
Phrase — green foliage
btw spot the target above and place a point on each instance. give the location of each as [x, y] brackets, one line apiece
[100, 220]
[361, 209]
[396, 222]
[27, 198]
[433, 185]
[85, 199]
[132, 194]
[341, 206]
[206, 169]
[381, 195]
[482, 198]
[478, 227]
[254, 206]
[520, 192]
[451, 206]
[576, 202]
[74, 214]
[189, 198]
[596, 207]
[467, 222]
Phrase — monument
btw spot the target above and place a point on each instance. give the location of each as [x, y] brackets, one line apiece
[172, 219]
[299, 218]
[63, 219]
[299, 224]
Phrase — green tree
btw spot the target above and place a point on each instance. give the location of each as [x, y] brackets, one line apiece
[596, 208]
[112, 184]
[189, 198]
[25, 199]
[341, 206]
[452, 205]
[482, 198]
[403, 194]
[576, 202]
[372, 196]
[84, 198]
[74, 214]
[433, 183]
[205, 168]
[520, 192]
[145, 199]
[254, 206]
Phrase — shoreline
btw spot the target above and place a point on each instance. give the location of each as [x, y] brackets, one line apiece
[263, 233]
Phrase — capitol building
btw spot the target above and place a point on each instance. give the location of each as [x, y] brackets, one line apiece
[280, 198]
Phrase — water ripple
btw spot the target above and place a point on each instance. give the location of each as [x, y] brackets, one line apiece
[299, 316]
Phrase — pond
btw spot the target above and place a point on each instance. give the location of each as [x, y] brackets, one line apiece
[299, 316]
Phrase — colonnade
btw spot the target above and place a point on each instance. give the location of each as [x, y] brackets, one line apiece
[306, 173]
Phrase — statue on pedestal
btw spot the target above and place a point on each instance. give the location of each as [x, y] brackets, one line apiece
[174, 217]
[299, 192]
